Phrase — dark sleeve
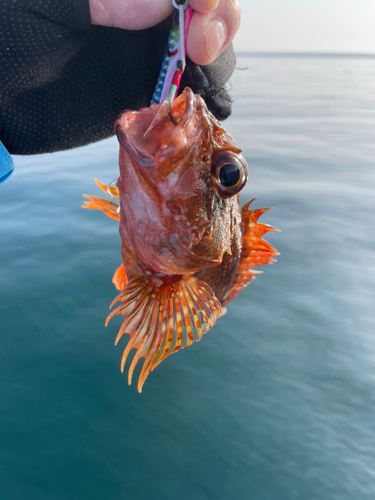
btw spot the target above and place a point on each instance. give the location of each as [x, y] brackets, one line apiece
[63, 82]
[210, 81]
[82, 14]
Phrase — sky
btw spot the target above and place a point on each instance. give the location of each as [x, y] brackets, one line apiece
[346, 26]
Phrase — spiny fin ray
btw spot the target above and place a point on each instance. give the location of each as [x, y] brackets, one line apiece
[255, 250]
[108, 189]
[109, 208]
[163, 318]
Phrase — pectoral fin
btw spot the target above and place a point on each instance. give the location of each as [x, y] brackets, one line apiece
[162, 318]
[110, 208]
[255, 250]
[119, 278]
[113, 191]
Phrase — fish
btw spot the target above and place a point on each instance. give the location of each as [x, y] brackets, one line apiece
[188, 248]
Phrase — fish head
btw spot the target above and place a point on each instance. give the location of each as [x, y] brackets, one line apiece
[180, 175]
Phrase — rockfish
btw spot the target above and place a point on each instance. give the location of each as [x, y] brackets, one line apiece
[187, 247]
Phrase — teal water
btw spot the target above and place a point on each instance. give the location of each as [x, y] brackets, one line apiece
[277, 402]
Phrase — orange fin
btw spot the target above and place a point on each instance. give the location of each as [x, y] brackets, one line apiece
[110, 208]
[163, 318]
[108, 189]
[255, 250]
[119, 278]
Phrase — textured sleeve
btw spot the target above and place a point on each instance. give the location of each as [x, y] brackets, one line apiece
[68, 13]
[210, 82]
[31, 31]
[82, 14]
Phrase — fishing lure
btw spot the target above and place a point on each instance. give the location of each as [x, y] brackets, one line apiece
[174, 59]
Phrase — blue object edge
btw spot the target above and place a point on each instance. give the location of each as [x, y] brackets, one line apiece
[6, 164]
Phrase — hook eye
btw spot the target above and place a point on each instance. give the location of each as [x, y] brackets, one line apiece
[179, 3]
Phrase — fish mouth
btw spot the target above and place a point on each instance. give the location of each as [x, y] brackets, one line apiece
[152, 135]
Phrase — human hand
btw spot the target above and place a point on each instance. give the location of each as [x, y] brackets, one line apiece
[212, 28]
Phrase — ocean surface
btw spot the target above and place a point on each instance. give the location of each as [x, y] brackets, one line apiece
[277, 401]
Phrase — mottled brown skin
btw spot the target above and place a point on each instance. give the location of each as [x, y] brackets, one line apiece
[173, 219]
[220, 278]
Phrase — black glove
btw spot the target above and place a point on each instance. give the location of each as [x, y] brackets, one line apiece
[63, 81]
[209, 82]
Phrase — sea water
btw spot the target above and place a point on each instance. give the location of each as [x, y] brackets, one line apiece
[277, 401]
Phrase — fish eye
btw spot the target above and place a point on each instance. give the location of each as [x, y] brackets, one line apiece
[229, 172]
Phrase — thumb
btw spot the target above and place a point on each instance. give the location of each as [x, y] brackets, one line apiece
[129, 14]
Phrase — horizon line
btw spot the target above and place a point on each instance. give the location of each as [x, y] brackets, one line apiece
[305, 53]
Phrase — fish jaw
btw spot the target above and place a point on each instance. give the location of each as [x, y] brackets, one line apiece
[154, 139]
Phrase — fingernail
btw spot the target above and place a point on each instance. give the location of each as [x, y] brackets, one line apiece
[215, 34]
[214, 4]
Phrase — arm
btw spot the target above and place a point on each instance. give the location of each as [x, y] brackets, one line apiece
[64, 81]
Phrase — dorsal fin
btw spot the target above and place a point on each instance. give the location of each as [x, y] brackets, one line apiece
[162, 318]
[255, 250]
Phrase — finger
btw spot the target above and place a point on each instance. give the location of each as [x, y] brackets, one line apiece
[210, 34]
[204, 6]
[129, 14]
